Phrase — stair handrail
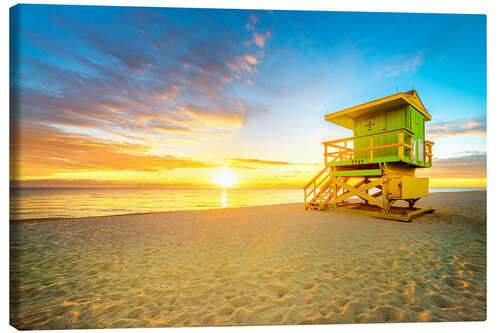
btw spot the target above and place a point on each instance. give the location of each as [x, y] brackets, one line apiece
[316, 177]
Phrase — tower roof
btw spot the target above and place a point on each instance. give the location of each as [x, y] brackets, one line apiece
[345, 118]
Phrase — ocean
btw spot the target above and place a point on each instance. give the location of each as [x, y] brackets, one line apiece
[30, 203]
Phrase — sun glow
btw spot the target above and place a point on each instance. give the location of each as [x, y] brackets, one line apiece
[225, 179]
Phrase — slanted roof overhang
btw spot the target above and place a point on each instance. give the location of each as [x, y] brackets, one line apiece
[345, 118]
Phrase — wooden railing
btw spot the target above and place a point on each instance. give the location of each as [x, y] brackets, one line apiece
[428, 153]
[343, 150]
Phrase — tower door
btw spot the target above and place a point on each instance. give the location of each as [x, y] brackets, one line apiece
[417, 127]
[367, 126]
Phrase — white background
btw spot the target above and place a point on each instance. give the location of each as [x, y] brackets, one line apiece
[491, 8]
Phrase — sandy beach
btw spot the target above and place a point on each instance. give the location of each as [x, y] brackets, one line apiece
[265, 265]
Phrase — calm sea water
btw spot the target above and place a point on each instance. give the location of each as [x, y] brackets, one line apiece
[28, 203]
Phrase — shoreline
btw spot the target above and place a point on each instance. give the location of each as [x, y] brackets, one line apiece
[55, 219]
[48, 219]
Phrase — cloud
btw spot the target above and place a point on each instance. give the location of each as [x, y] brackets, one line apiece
[251, 59]
[211, 118]
[126, 53]
[171, 129]
[43, 151]
[44, 183]
[92, 183]
[243, 63]
[259, 162]
[252, 21]
[466, 166]
[147, 76]
[261, 39]
[251, 163]
[464, 127]
[122, 85]
[399, 64]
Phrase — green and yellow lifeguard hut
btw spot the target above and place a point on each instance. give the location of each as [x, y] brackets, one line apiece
[377, 164]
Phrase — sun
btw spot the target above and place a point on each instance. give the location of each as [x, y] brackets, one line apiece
[225, 179]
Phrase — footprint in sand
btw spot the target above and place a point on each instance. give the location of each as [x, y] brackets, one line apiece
[472, 267]
[388, 314]
[240, 301]
[136, 313]
[455, 283]
[442, 302]
[277, 288]
[226, 311]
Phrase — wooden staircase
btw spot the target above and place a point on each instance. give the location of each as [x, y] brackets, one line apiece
[320, 190]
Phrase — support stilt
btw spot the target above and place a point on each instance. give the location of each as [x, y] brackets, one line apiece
[328, 190]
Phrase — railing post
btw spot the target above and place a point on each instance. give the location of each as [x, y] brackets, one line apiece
[329, 183]
[427, 162]
[325, 152]
[345, 149]
[430, 155]
[412, 156]
[401, 136]
[426, 154]
[371, 148]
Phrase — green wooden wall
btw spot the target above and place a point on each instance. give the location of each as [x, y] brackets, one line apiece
[383, 127]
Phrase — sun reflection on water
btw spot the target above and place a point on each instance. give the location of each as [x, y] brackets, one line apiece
[223, 199]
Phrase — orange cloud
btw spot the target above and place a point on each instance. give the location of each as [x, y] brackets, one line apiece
[218, 119]
[171, 129]
[43, 151]
[252, 163]
[261, 39]
[243, 64]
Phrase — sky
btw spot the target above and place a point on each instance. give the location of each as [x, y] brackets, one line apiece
[172, 97]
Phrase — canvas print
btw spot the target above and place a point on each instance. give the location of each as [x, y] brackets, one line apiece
[209, 167]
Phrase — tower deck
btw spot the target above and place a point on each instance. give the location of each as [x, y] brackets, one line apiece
[397, 146]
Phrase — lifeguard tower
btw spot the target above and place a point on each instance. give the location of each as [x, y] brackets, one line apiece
[377, 165]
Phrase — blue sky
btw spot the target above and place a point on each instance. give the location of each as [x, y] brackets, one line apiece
[196, 88]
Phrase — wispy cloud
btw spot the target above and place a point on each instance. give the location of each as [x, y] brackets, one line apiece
[41, 151]
[244, 64]
[170, 129]
[475, 126]
[258, 162]
[399, 64]
[109, 183]
[465, 166]
[260, 39]
[210, 118]
[251, 163]
[252, 21]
